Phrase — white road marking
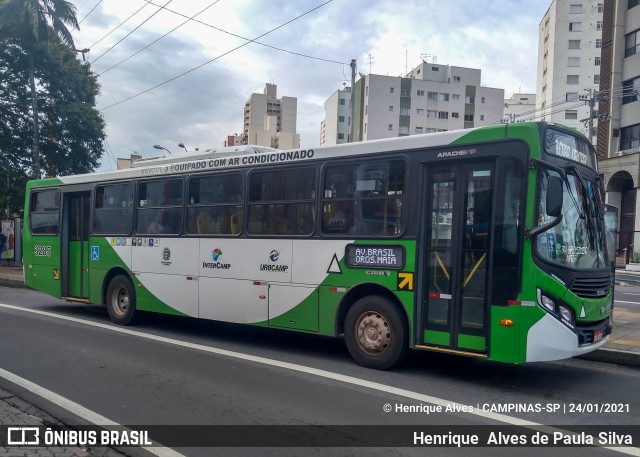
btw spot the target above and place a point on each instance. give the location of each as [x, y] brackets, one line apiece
[77, 409]
[622, 301]
[321, 373]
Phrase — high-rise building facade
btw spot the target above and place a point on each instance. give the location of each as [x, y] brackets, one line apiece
[618, 122]
[431, 98]
[569, 60]
[271, 121]
[336, 127]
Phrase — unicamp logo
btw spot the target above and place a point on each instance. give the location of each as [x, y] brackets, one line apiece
[216, 254]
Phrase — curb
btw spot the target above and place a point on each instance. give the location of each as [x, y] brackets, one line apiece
[613, 356]
[9, 282]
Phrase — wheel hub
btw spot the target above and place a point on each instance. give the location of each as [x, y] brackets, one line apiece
[374, 334]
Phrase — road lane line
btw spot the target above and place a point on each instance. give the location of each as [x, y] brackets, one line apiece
[77, 409]
[622, 301]
[321, 373]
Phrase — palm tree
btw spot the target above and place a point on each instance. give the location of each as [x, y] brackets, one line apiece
[31, 22]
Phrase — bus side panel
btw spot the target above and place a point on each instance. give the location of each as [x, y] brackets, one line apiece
[106, 253]
[41, 257]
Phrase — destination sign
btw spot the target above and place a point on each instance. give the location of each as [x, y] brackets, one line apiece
[570, 147]
[374, 256]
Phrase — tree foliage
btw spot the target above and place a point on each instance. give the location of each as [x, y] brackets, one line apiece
[71, 129]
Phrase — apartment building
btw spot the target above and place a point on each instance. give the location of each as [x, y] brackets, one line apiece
[569, 61]
[336, 126]
[271, 121]
[430, 98]
[618, 122]
[520, 107]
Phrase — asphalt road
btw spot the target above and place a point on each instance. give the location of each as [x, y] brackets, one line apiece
[175, 371]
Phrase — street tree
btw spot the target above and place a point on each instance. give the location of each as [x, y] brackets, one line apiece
[32, 23]
[71, 129]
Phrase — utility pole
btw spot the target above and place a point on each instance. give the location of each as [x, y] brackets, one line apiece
[353, 99]
[591, 100]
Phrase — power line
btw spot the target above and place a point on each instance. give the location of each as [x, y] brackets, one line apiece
[250, 40]
[216, 58]
[86, 16]
[119, 25]
[125, 37]
[155, 41]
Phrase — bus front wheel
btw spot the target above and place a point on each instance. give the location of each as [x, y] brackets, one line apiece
[375, 333]
[121, 301]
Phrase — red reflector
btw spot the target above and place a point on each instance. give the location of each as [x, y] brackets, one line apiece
[257, 283]
[434, 295]
[133, 274]
[189, 278]
[333, 289]
[514, 302]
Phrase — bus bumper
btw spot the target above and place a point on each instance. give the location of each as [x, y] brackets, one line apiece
[549, 339]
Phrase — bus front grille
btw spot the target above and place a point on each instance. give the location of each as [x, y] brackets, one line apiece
[591, 287]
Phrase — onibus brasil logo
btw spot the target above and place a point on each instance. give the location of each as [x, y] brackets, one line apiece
[216, 254]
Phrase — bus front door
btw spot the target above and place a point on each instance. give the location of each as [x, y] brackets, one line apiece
[457, 231]
[75, 247]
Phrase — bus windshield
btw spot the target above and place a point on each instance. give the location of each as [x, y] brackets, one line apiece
[577, 241]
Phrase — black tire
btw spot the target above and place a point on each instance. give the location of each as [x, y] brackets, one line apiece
[376, 333]
[121, 301]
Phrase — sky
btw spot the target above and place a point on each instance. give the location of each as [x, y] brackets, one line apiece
[191, 85]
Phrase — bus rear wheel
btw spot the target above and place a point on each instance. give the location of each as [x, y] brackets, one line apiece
[121, 301]
[375, 333]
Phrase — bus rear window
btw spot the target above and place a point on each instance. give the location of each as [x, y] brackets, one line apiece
[44, 212]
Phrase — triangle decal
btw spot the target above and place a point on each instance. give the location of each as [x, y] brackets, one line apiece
[334, 266]
[582, 313]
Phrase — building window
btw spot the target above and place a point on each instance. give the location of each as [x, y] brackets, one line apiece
[482, 117]
[575, 9]
[456, 96]
[405, 93]
[630, 137]
[390, 107]
[435, 69]
[390, 126]
[420, 111]
[456, 115]
[573, 79]
[575, 26]
[468, 117]
[599, 25]
[443, 97]
[596, 79]
[600, 7]
[432, 95]
[430, 130]
[366, 91]
[598, 43]
[573, 61]
[404, 111]
[342, 101]
[391, 90]
[632, 44]
[631, 90]
[340, 118]
[633, 3]
[571, 114]
[419, 129]
[596, 61]
[469, 100]
[482, 99]
[432, 113]
[574, 44]
[341, 136]
[420, 93]
[571, 96]
[456, 79]
[404, 130]
[443, 115]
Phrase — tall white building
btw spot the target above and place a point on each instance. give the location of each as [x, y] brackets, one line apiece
[569, 44]
[520, 107]
[431, 98]
[335, 129]
[271, 121]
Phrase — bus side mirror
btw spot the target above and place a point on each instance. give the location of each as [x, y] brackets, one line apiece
[554, 196]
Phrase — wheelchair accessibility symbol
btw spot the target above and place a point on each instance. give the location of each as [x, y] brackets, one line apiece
[95, 252]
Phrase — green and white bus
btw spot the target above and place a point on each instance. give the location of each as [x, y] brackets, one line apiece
[485, 242]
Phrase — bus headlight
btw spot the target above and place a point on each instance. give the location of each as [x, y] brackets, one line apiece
[546, 302]
[566, 315]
